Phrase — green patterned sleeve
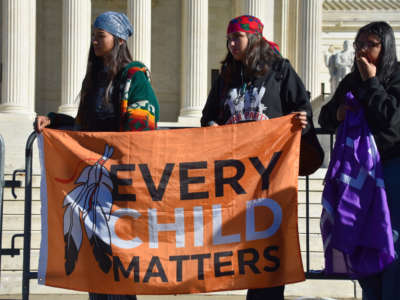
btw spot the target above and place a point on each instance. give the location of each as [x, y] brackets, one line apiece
[140, 108]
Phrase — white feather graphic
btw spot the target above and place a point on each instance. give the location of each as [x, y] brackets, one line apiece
[92, 199]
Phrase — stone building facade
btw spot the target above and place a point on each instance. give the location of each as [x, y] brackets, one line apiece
[45, 45]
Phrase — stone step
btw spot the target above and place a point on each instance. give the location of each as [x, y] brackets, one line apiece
[313, 225]
[314, 210]
[9, 263]
[11, 283]
[314, 197]
[21, 177]
[315, 241]
[16, 222]
[20, 193]
[317, 261]
[313, 184]
[329, 289]
[16, 207]
[19, 241]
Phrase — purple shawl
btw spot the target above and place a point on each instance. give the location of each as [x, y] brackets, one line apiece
[355, 221]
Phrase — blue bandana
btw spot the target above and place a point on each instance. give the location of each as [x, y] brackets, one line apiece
[115, 23]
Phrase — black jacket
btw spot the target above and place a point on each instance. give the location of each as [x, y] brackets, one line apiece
[381, 106]
[284, 93]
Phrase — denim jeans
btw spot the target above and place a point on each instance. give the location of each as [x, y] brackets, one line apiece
[386, 284]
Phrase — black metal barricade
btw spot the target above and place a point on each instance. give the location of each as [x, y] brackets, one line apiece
[7, 184]
[28, 274]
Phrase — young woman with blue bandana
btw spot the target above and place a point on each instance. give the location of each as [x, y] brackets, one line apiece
[116, 94]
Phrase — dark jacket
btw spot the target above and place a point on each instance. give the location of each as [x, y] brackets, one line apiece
[381, 106]
[283, 93]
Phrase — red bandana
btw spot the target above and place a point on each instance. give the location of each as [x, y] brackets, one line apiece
[251, 25]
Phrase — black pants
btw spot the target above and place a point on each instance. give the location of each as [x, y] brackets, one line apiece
[93, 296]
[274, 293]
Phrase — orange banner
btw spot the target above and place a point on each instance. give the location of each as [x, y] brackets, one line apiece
[171, 211]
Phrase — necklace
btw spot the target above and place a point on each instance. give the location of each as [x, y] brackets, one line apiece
[242, 90]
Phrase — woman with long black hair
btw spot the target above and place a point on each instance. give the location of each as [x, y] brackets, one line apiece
[255, 83]
[116, 93]
[375, 83]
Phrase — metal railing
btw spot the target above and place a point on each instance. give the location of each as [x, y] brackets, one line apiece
[28, 274]
[9, 184]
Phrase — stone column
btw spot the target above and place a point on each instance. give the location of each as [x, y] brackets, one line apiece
[18, 56]
[309, 50]
[281, 35]
[75, 48]
[195, 60]
[292, 33]
[139, 13]
[264, 10]
[238, 8]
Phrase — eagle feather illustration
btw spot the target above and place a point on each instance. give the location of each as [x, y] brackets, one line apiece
[91, 199]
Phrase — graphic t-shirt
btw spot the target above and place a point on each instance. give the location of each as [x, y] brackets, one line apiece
[245, 104]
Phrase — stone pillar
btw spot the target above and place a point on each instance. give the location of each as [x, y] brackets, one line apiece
[238, 8]
[309, 50]
[292, 33]
[281, 35]
[264, 10]
[75, 48]
[139, 13]
[195, 60]
[18, 56]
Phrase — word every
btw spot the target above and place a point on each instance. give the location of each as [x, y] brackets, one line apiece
[157, 192]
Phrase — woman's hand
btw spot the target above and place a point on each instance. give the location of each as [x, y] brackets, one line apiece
[366, 69]
[301, 117]
[40, 123]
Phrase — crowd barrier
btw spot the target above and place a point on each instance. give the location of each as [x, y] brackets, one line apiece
[7, 184]
[27, 274]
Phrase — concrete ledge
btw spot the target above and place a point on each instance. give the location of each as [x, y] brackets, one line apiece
[157, 297]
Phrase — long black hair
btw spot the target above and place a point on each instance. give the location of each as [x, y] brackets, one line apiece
[387, 62]
[258, 60]
[118, 58]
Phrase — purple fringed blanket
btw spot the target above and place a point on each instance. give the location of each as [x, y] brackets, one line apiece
[355, 221]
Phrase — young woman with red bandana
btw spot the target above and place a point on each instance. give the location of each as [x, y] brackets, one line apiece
[255, 83]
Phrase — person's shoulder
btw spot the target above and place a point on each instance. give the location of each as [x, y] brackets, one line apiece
[135, 63]
[395, 75]
[351, 77]
[283, 68]
[135, 66]
[280, 65]
[396, 71]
